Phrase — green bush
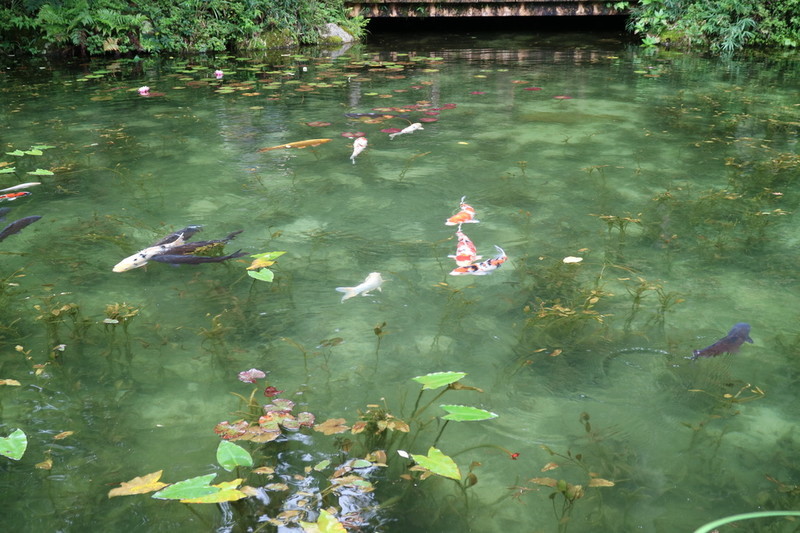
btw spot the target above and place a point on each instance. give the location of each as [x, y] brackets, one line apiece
[130, 26]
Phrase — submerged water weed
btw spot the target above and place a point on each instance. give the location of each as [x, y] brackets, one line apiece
[565, 494]
[615, 247]
[55, 315]
[639, 291]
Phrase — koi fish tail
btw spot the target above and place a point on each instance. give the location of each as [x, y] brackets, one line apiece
[349, 292]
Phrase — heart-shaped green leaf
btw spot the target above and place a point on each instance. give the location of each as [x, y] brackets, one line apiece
[230, 455]
[438, 463]
[14, 445]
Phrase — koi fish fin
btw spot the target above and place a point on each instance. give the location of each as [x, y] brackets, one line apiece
[349, 292]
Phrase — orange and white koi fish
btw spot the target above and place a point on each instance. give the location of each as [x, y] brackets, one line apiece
[358, 147]
[9, 197]
[484, 267]
[466, 252]
[464, 216]
[298, 144]
[373, 281]
[408, 129]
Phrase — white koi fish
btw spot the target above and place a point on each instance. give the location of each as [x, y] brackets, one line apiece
[20, 186]
[358, 147]
[140, 258]
[373, 281]
[484, 267]
[409, 129]
[466, 252]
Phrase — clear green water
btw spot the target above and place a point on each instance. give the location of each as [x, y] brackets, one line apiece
[695, 160]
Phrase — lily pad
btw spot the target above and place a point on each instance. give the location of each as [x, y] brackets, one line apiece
[189, 488]
[264, 274]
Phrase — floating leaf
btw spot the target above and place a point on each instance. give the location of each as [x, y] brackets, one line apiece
[230, 455]
[332, 426]
[139, 485]
[33, 151]
[438, 379]
[12, 382]
[40, 172]
[8, 170]
[465, 413]
[14, 445]
[189, 488]
[227, 492]
[322, 465]
[16, 152]
[327, 523]
[438, 463]
[264, 274]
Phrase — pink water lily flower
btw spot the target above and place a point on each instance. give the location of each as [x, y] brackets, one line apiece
[144, 90]
[250, 376]
[218, 74]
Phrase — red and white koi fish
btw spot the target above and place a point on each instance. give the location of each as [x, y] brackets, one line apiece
[464, 216]
[484, 267]
[9, 197]
[20, 186]
[466, 252]
[408, 129]
[358, 147]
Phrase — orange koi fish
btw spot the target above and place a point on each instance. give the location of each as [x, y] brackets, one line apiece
[298, 144]
[484, 267]
[466, 252]
[13, 196]
[465, 215]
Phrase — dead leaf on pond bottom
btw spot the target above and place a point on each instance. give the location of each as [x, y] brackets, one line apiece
[332, 426]
[600, 482]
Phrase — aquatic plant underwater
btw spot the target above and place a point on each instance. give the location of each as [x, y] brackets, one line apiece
[585, 317]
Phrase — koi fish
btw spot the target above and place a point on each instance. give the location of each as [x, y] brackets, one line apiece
[408, 129]
[17, 226]
[465, 215]
[181, 259]
[466, 252]
[358, 147]
[372, 282]
[201, 246]
[298, 144]
[8, 197]
[20, 186]
[730, 343]
[160, 247]
[484, 267]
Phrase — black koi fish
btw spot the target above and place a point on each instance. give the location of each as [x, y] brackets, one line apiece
[200, 246]
[730, 343]
[186, 232]
[17, 226]
[174, 259]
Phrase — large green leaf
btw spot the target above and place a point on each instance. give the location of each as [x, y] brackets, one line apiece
[187, 489]
[438, 379]
[264, 274]
[230, 455]
[268, 256]
[465, 413]
[227, 493]
[14, 445]
[40, 172]
[438, 463]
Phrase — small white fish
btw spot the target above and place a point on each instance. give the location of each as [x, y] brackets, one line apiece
[20, 186]
[410, 129]
[140, 258]
[358, 147]
[373, 281]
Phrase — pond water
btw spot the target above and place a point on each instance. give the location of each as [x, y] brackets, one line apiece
[671, 176]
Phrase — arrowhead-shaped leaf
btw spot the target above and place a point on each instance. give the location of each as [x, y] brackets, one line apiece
[14, 445]
[465, 413]
[139, 485]
[438, 463]
[189, 488]
[230, 455]
[439, 379]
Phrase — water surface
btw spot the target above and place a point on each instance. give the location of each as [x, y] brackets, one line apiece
[671, 176]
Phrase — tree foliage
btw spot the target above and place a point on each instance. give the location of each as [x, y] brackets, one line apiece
[133, 26]
[721, 26]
